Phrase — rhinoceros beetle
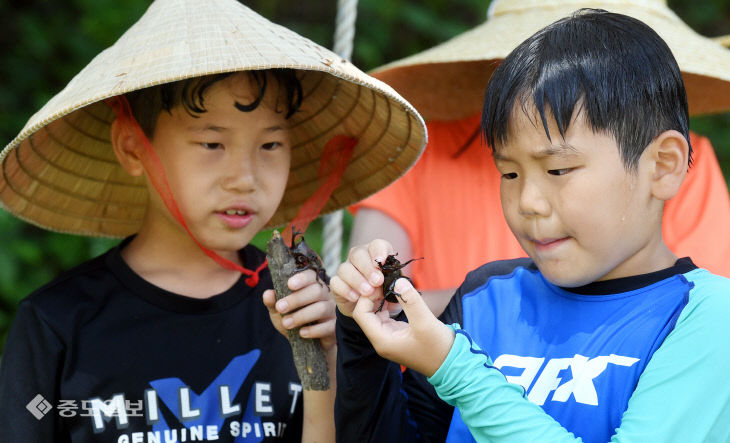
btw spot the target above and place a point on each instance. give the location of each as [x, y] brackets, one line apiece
[306, 258]
[391, 272]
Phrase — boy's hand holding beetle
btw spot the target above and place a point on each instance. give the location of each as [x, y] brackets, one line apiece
[309, 306]
[422, 343]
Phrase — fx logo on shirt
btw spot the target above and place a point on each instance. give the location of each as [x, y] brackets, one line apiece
[581, 386]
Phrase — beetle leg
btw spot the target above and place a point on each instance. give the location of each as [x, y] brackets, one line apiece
[402, 265]
[322, 277]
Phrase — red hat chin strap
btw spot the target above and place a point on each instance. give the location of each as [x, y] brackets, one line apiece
[335, 157]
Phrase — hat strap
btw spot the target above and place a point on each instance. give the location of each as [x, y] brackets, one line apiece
[336, 156]
[156, 173]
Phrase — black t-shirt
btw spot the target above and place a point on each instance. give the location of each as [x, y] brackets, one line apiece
[118, 359]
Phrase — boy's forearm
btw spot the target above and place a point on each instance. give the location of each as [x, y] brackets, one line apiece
[468, 381]
[318, 424]
[371, 405]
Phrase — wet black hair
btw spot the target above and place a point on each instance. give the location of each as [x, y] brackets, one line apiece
[146, 104]
[620, 73]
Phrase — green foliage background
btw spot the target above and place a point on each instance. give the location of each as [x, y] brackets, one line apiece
[44, 43]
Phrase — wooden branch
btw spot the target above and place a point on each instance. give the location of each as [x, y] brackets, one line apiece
[309, 358]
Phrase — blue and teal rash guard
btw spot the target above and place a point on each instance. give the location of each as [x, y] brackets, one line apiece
[643, 358]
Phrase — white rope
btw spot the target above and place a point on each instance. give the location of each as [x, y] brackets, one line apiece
[332, 227]
[345, 28]
[332, 241]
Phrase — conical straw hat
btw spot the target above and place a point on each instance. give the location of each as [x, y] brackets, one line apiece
[60, 172]
[448, 81]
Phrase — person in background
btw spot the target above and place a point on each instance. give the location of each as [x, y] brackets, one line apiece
[446, 209]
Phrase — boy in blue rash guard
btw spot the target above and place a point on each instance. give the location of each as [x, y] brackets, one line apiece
[602, 334]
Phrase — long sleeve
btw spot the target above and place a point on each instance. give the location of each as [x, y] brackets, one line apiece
[28, 377]
[376, 402]
[682, 395]
[492, 408]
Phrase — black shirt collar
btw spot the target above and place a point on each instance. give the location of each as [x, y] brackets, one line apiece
[250, 255]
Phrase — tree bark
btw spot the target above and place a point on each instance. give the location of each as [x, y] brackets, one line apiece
[309, 358]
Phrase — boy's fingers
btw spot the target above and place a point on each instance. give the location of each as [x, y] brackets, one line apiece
[300, 298]
[302, 279]
[319, 330]
[415, 308]
[426, 330]
[344, 296]
[354, 278]
[379, 250]
[369, 320]
[361, 259]
[269, 298]
[305, 278]
[311, 313]
[342, 291]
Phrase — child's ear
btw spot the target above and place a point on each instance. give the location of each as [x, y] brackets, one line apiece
[669, 159]
[127, 148]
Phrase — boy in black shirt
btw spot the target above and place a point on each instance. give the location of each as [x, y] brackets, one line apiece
[219, 119]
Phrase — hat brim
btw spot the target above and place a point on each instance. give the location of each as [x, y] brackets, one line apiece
[452, 77]
[60, 172]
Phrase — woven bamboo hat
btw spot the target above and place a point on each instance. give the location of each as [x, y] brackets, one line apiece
[448, 81]
[60, 172]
